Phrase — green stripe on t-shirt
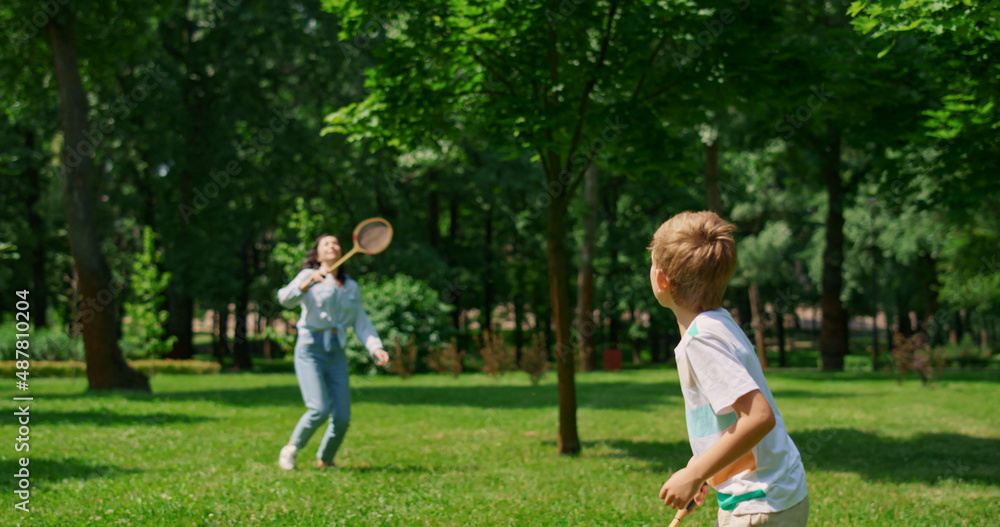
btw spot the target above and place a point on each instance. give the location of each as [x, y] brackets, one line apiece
[728, 502]
[693, 330]
[702, 421]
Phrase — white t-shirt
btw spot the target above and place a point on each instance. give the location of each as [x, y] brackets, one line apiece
[717, 365]
[326, 305]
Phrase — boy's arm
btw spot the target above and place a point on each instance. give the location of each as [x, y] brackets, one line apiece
[754, 420]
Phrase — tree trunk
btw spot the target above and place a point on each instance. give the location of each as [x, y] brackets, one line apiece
[833, 334]
[633, 316]
[39, 284]
[780, 329]
[216, 345]
[434, 216]
[585, 280]
[983, 340]
[106, 367]
[903, 309]
[73, 329]
[875, 307]
[757, 321]
[712, 192]
[223, 348]
[176, 236]
[569, 441]
[993, 333]
[180, 307]
[518, 330]
[930, 310]
[241, 342]
[744, 310]
[614, 318]
[456, 297]
[488, 278]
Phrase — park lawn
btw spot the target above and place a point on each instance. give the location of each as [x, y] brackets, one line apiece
[433, 450]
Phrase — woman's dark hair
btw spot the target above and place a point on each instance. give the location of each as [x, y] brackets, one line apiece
[312, 260]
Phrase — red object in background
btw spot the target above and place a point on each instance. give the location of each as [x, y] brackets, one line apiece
[612, 360]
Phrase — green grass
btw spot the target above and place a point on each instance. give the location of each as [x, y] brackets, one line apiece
[432, 450]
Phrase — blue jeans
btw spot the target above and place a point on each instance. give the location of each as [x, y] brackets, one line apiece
[322, 378]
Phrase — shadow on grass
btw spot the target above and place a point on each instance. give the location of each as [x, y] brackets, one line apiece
[925, 458]
[663, 457]
[614, 395]
[813, 374]
[806, 394]
[42, 471]
[106, 418]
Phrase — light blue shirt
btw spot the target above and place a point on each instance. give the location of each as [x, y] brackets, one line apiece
[326, 305]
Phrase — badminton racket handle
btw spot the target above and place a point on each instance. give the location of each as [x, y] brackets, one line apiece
[343, 259]
[681, 514]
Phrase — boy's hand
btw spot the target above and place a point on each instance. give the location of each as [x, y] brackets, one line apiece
[699, 498]
[681, 488]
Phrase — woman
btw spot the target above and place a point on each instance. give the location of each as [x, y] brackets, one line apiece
[329, 305]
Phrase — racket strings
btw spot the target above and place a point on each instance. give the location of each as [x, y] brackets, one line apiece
[374, 237]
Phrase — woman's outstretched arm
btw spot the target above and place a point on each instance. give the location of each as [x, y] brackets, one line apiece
[291, 295]
[366, 331]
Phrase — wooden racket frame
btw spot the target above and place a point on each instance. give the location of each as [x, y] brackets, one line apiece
[357, 248]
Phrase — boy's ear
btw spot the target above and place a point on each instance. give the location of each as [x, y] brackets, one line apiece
[662, 282]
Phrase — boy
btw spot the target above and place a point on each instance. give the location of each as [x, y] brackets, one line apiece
[737, 435]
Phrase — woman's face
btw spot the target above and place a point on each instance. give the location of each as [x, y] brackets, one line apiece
[328, 249]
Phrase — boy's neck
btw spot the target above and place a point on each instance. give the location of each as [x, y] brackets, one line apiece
[684, 318]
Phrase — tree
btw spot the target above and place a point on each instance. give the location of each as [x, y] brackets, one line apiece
[563, 81]
[953, 163]
[106, 367]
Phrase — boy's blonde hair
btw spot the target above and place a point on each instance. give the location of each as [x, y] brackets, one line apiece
[696, 251]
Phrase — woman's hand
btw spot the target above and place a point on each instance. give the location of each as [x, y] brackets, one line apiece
[316, 277]
[381, 357]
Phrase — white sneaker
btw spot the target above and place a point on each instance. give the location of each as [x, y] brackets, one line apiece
[286, 459]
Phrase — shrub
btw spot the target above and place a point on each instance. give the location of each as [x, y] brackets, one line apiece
[403, 358]
[401, 308]
[46, 344]
[284, 341]
[498, 356]
[75, 368]
[188, 367]
[965, 354]
[142, 336]
[913, 353]
[534, 359]
[446, 359]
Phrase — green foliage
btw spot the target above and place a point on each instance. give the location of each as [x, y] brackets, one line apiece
[285, 341]
[47, 344]
[969, 268]
[142, 335]
[401, 308]
[960, 43]
[965, 353]
[763, 256]
[300, 231]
